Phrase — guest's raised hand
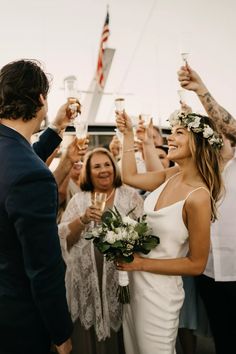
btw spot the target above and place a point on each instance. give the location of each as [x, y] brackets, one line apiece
[190, 80]
[65, 115]
[123, 122]
[75, 154]
[145, 132]
[140, 130]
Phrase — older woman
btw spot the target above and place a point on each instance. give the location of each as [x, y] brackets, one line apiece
[91, 281]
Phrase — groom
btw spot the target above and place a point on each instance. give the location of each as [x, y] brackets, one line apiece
[33, 307]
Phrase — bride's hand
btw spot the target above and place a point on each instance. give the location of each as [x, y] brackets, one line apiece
[132, 266]
[123, 122]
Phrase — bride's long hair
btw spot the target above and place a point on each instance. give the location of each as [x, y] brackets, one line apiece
[208, 161]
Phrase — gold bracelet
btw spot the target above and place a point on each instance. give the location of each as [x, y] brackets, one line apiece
[129, 150]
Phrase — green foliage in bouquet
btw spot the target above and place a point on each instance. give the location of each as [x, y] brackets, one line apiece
[118, 237]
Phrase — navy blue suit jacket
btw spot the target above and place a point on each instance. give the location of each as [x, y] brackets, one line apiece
[47, 143]
[33, 306]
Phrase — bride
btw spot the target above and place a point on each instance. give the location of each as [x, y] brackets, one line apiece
[179, 210]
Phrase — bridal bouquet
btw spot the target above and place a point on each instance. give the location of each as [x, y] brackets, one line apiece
[118, 237]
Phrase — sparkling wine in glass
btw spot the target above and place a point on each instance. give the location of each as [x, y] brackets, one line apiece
[120, 104]
[99, 200]
[81, 132]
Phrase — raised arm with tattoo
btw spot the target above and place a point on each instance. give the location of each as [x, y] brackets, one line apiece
[190, 80]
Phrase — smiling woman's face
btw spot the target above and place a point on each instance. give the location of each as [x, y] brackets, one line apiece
[102, 172]
[178, 143]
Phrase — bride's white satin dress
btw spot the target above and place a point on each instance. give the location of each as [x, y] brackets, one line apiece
[151, 319]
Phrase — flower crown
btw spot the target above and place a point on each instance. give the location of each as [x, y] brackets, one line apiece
[195, 123]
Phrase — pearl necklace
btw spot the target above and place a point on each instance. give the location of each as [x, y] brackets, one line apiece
[110, 195]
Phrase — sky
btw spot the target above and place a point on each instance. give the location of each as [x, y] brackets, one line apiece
[148, 36]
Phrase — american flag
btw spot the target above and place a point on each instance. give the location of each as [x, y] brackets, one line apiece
[104, 38]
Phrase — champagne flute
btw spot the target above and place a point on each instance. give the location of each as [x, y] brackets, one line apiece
[71, 94]
[135, 122]
[81, 132]
[186, 39]
[185, 57]
[99, 202]
[181, 94]
[146, 119]
[119, 135]
[120, 104]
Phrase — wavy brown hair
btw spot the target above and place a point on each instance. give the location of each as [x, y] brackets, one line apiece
[21, 83]
[208, 161]
[85, 176]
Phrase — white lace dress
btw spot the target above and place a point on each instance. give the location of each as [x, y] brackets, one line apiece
[82, 278]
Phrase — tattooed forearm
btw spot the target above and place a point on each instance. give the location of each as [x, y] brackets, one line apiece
[214, 110]
[223, 118]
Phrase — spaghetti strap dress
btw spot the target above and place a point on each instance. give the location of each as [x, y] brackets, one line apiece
[150, 321]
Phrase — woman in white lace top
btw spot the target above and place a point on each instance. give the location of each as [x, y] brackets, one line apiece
[91, 281]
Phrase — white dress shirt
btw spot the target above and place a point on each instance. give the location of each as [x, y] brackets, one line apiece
[221, 263]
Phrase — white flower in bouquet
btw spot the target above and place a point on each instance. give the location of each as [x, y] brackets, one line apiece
[95, 232]
[111, 237]
[127, 220]
[133, 235]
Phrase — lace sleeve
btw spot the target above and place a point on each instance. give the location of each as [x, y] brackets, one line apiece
[136, 202]
[129, 199]
[73, 210]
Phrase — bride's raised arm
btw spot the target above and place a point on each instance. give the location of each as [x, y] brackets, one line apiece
[147, 181]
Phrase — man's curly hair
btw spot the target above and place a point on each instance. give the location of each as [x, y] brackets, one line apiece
[21, 83]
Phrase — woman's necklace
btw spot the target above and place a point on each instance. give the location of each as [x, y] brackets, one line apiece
[110, 195]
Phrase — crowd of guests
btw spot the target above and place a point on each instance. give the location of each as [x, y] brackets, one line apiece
[184, 185]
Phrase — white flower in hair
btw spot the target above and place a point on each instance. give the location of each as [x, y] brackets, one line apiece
[174, 118]
[208, 131]
[195, 123]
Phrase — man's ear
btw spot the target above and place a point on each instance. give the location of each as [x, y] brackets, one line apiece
[42, 99]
